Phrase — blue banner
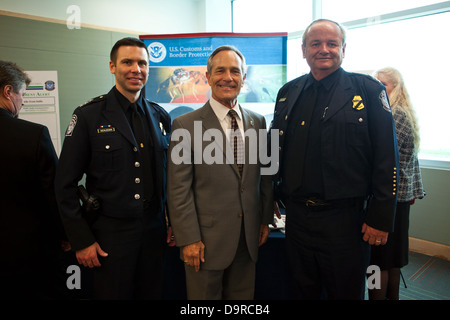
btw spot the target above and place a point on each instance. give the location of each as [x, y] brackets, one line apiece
[177, 70]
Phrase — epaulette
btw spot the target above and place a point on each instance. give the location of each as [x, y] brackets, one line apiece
[94, 100]
[152, 102]
[154, 105]
[365, 76]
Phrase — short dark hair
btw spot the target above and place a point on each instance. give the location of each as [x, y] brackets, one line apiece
[225, 48]
[129, 42]
[11, 74]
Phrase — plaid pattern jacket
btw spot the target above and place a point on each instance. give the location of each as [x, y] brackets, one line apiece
[410, 180]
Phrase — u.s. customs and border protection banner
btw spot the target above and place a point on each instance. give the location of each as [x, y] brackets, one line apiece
[177, 68]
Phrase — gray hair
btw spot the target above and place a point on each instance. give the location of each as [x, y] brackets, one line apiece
[343, 32]
[11, 74]
[209, 64]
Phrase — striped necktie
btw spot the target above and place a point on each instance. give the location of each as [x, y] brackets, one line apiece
[238, 143]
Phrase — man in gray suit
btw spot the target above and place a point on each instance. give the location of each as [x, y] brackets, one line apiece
[219, 209]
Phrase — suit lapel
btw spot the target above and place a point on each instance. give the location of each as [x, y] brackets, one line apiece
[343, 93]
[155, 125]
[294, 93]
[210, 121]
[113, 112]
[249, 123]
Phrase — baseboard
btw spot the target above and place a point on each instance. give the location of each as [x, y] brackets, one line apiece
[429, 248]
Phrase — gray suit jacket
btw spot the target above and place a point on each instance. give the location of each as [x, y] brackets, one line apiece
[207, 202]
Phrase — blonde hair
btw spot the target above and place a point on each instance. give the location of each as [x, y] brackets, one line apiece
[399, 98]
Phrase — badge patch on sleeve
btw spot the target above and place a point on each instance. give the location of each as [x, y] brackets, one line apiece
[71, 126]
[384, 101]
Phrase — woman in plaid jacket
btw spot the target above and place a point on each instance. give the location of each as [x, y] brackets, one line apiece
[394, 255]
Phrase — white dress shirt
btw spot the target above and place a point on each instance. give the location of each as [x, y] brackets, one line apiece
[225, 121]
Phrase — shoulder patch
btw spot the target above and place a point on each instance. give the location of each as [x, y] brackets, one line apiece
[94, 100]
[384, 101]
[71, 126]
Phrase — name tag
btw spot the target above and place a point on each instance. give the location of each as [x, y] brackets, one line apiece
[105, 129]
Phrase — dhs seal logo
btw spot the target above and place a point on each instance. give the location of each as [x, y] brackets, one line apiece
[157, 52]
[50, 85]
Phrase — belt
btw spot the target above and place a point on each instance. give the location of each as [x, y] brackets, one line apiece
[316, 204]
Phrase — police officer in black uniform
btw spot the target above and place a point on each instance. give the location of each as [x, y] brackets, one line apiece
[119, 142]
[338, 169]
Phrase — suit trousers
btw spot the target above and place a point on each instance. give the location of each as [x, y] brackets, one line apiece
[133, 268]
[236, 282]
[327, 257]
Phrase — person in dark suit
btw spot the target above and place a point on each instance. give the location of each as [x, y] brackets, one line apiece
[219, 210]
[338, 168]
[119, 142]
[31, 233]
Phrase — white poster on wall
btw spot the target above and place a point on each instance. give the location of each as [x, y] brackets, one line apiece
[41, 103]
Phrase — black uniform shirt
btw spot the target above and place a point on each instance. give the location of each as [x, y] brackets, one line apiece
[147, 165]
[312, 183]
[126, 106]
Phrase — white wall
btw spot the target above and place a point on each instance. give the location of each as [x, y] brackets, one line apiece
[135, 16]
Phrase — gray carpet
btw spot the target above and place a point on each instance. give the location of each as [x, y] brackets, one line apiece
[425, 278]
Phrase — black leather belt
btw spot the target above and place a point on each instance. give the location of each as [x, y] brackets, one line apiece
[314, 202]
[317, 204]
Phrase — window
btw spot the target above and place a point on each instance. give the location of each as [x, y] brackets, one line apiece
[409, 35]
[416, 48]
[348, 10]
[270, 15]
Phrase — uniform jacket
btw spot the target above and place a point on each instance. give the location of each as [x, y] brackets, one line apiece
[30, 225]
[359, 156]
[207, 202]
[99, 143]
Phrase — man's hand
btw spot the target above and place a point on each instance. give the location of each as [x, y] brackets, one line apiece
[263, 234]
[374, 236]
[65, 246]
[277, 212]
[88, 256]
[193, 254]
[170, 238]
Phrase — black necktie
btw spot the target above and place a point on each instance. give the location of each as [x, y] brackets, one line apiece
[238, 144]
[137, 123]
[300, 138]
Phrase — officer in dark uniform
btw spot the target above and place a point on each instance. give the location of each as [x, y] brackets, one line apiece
[119, 142]
[338, 169]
